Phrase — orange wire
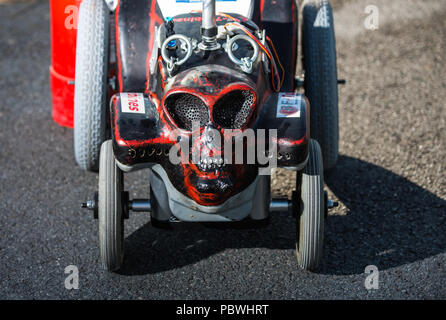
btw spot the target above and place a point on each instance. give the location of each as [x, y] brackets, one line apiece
[278, 61]
[267, 52]
[245, 30]
[228, 16]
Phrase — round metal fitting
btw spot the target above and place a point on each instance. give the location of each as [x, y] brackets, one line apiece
[170, 61]
[246, 62]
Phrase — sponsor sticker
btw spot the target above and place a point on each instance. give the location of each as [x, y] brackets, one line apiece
[132, 103]
[288, 105]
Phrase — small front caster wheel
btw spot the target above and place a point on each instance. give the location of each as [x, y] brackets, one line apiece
[110, 213]
[310, 222]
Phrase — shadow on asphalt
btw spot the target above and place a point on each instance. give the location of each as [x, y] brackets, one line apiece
[390, 222]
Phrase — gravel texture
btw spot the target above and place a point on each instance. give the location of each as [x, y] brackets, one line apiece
[390, 182]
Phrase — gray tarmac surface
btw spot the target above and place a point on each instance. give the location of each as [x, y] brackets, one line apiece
[390, 182]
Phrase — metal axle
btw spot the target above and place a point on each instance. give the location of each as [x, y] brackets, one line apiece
[140, 205]
[144, 205]
[280, 205]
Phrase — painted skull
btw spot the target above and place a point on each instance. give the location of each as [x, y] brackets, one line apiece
[201, 104]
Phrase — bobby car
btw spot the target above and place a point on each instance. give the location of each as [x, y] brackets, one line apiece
[204, 94]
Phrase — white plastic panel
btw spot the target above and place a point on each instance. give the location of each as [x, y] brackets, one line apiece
[171, 8]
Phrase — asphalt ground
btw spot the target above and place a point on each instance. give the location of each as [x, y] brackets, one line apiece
[390, 182]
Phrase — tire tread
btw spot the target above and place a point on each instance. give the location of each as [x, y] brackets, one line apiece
[90, 83]
[111, 226]
[309, 244]
[321, 88]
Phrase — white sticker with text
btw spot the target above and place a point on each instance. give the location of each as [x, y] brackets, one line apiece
[288, 105]
[132, 103]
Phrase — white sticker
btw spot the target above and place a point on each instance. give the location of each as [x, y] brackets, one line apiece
[288, 105]
[132, 103]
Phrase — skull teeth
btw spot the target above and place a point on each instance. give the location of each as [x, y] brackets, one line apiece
[211, 163]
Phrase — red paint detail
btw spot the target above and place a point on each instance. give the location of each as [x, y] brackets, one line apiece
[262, 6]
[162, 72]
[287, 110]
[136, 143]
[219, 18]
[213, 199]
[289, 142]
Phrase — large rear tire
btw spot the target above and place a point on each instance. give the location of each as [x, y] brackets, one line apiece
[90, 91]
[310, 223]
[321, 80]
[110, 213]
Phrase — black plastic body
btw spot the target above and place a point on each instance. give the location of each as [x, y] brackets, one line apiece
[140, 139]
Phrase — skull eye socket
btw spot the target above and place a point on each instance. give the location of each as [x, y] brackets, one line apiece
[233, 109]
[185, 108]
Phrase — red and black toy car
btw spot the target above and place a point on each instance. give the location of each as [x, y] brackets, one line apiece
[205, 95]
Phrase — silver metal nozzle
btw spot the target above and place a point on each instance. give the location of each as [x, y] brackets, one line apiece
[209, 27]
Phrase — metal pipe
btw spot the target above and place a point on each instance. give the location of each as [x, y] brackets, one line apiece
[279, 205]
[209, 27]
[140, 205]
[143, 205]
[209, 19]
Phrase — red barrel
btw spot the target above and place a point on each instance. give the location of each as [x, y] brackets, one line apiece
[63, 14]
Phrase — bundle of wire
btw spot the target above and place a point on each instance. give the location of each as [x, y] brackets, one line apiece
[277, 83]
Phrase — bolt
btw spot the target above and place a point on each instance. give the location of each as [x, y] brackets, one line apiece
[132, 153]
[331, 204]
[90, 205]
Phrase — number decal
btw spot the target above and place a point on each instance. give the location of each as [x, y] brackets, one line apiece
[132, 103]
